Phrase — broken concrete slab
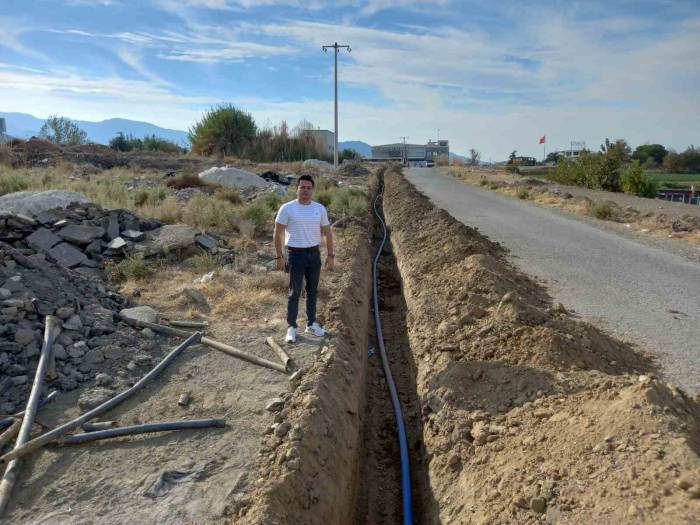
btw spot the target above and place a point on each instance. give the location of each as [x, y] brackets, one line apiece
[81, 233]
[42, 239]
[67, 255]
[233, 178]
[167, 239]
[113, 226]
[116, 244]
[140, 313]
[31, 203]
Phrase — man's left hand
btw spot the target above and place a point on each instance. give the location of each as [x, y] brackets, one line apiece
[330, 263]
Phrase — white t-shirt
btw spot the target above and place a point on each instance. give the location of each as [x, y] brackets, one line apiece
[303, 222]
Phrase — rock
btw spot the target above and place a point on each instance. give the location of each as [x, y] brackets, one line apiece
[112, 227]
[24, 336]
[95, 397]
[73, 323]
[78, 350]
[32, 350]
[94, 357]
[94, 248]
[59, 352]
[19, 380]
[147, 333]
[282, 429]
[103, 379]
[538, 504]
[318, 164]
[233, 178]
[81, 234]
[8, 408]
[116, 244]
[50, 217]
[12, 348]
[5, 293]
[42, 239]
[67, 255]
[32, 203]
[133, 235]
[167, 239]
[195, 296]
[275, 404]
[140, 313]
[206, 242]
[64, 312]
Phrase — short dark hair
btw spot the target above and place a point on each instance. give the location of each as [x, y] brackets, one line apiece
[306, 177]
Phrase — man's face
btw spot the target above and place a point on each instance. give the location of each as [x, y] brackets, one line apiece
[304, 190]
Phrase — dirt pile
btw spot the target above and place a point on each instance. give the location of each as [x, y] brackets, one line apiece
[352, 169]
[528, 414]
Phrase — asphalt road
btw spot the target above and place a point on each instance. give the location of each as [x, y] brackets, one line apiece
[640, 294]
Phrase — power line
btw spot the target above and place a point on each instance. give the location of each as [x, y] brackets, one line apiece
[336, 48]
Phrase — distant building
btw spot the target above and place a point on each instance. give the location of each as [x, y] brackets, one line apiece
[325, 140]
[524, 161]
[415, 154]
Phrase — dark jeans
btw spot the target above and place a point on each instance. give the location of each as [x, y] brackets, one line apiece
[303, 265]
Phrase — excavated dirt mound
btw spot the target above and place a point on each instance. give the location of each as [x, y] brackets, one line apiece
[527, 414]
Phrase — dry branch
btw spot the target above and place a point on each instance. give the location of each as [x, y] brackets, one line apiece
[284, 357]
[227, 349]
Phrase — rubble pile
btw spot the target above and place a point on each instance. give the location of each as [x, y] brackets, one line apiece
[92, 342]
[352, 169]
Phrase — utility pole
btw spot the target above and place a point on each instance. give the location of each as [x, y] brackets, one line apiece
[405, 153]
[336, 48]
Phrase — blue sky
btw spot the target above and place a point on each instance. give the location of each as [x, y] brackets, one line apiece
[493, 76]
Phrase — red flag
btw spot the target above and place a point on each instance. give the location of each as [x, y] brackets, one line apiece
[542, 139]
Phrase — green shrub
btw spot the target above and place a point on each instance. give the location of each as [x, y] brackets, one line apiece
[204, 211]
[325, 197]
[132, 267]
[259, 214]
[590, 170]
[348, 201]
[601, 210]
[149, 196]
[230, 195]
[513, 169]
[636, 182]
[483, 182]
[523, 193]
[272, 201]
[11, 182]
[204, 262]
[224, 130]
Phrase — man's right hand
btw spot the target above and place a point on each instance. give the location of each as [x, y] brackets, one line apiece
[280, 264]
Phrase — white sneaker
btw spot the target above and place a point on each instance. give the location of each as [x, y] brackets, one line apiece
[315, 329]
[291, 336]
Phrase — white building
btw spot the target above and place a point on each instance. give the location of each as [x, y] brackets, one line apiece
[325, 140]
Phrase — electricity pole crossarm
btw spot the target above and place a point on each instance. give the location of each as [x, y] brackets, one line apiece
[336, 48]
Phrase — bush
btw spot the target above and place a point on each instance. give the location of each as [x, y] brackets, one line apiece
[185, 181]
[601, 210]
[325, 197]
[62, 131]
[224, 130]
[203, 262]
[11, 182]
[123, 142]
[636, 182]
[348, 202]
[483, 181]
[204, 211]
[230, 195]
[132, 267]
[259, 214]
[510, 168]
[149, 196]
[523, 193]
[595, 171]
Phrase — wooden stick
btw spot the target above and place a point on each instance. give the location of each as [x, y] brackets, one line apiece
[62, 430]
[100, 425]
[11, 432]
[284, 357]
[141, 429]
[188, 324]
[25, 431]
[227, 349]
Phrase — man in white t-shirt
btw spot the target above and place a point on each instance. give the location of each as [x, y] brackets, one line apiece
[299, 225]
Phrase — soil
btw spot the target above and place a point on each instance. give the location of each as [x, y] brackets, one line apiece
[528, 414]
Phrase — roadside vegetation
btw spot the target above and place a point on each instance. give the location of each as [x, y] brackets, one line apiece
[213, 207]
[122, 142]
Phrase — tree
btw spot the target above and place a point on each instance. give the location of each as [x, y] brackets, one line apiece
[636, 181]
[511, 157]
[60, 130]
[654, 151]
[349, 154]
[619, 150]
[553, 156]
[224, 130]
[474, 157]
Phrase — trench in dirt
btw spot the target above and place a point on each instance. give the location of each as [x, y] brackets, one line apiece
[380, 496]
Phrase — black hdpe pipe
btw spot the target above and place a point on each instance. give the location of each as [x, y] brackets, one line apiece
[401, 429]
